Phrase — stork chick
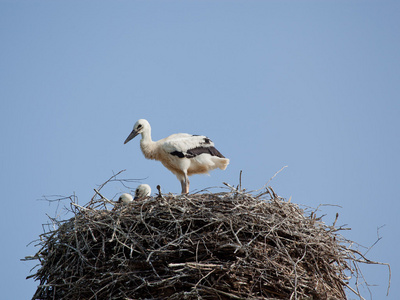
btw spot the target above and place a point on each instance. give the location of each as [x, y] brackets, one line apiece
[181, 153]
[142, 191]
[125, 199]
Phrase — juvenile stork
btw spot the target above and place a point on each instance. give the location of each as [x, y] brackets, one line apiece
[181, 153]
[142, 191]
[125, 198]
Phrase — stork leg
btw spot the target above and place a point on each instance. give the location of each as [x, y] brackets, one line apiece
[185, 184]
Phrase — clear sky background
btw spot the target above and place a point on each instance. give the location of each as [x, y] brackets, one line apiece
[313, 85]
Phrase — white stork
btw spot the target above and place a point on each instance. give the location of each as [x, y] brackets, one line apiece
[125, 198]
[181, 153]
[142, 191]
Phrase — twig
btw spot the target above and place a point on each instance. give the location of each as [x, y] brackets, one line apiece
[265, 185]
[104, 198]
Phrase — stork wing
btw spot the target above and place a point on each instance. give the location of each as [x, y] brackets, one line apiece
[186, 145]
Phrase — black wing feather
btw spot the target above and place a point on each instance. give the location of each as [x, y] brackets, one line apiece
[200, 150]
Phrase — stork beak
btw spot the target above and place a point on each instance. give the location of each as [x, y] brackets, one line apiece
[131, 136]
[136, 198]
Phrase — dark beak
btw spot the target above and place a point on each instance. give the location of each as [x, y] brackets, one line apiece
[131, 136]
[136, 198]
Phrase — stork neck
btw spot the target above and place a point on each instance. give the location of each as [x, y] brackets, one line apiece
[148, 147]
[146, 136]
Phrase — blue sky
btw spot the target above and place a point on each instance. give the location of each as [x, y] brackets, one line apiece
[313, 85]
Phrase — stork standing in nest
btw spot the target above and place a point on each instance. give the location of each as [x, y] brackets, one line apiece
[181, 153]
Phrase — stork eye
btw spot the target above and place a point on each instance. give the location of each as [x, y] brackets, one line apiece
[139, 126]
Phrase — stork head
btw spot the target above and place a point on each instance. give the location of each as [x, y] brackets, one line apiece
[143, 190]
[125, 199]
[140, 126]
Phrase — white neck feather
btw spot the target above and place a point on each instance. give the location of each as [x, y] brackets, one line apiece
[148, 147]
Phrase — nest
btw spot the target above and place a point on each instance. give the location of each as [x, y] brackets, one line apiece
[230, 245]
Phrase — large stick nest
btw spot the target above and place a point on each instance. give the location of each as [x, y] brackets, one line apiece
[229, 245]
